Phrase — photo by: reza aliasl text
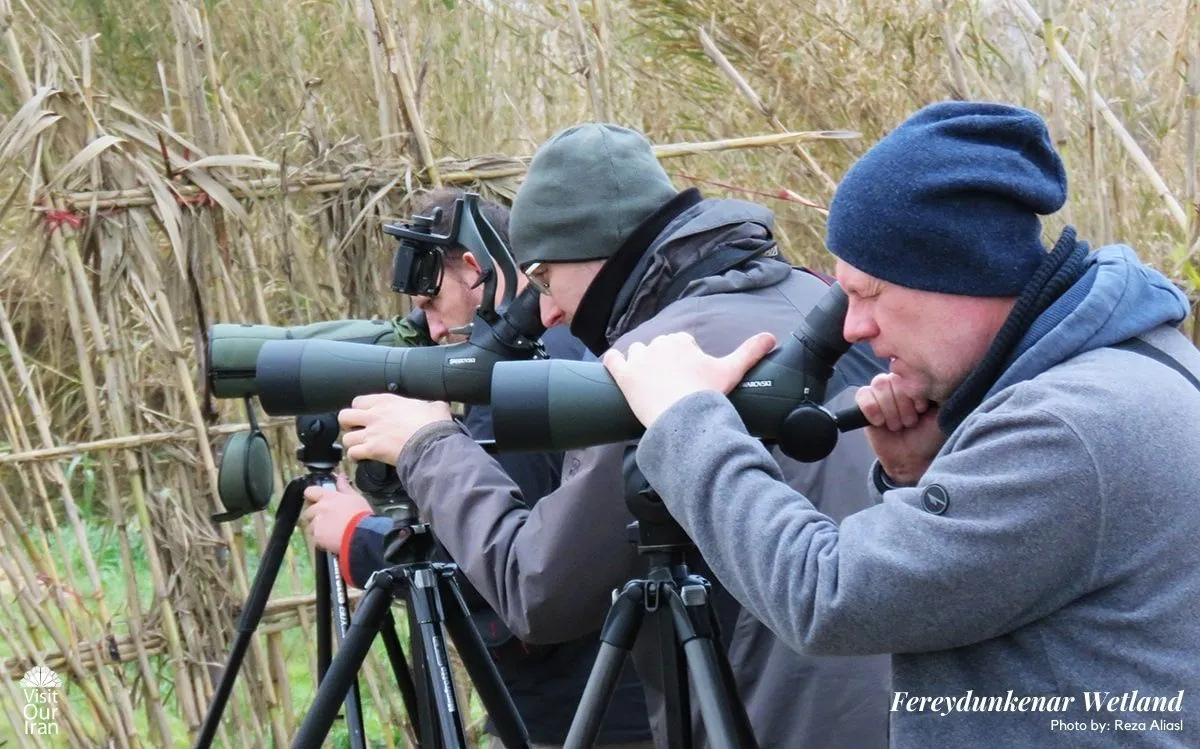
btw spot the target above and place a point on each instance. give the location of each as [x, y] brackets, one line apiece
[1010, 702]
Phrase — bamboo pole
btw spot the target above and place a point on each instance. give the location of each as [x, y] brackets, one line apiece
[72, 291]
[132, 441]
[217, 83]
[1058, 96]
[1058, 123]
[32, 562]
[110, 482]
[400, 68]
[136, 621]
[1095, 159]
[383, 106]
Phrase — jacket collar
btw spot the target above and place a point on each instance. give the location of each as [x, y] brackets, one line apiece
[596, 308]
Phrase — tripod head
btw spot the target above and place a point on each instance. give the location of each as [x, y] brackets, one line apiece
[409, 540]
[319, 451]
[654, 531]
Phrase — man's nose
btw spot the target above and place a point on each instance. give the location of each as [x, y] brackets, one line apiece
[551, 314]
[857, 326]
[437, 328]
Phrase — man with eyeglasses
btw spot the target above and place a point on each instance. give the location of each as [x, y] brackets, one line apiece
[545, 681]
[621, 256]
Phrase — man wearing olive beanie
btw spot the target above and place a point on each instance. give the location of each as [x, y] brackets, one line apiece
[1032, 560]
[588, 188]
[622, 256]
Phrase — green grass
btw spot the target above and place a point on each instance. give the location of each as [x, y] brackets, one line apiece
[103, 546]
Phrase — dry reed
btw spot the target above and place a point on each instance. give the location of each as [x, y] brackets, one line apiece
[193, 163]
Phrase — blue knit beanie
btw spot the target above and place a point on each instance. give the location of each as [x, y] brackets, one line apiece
[949, 201]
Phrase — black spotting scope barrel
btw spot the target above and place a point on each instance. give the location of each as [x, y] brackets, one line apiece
[314, 376]
[564, 405]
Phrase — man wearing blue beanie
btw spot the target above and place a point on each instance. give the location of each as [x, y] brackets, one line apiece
[1032, 562]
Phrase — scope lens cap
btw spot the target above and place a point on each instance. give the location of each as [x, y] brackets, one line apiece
[245, 478]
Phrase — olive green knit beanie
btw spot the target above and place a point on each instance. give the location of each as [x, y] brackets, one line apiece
[587, 189]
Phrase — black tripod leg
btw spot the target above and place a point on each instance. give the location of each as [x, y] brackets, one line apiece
[343, 669]
[404, 678]
[479, 664]
[745, 731]
[676, 694]
[713, 695]
[324, 612]
[427, 726]
[340, 610]
[286, 516]
[426, 606]
[616, 640]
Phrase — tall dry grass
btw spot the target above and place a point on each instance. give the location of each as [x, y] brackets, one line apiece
[166, 164]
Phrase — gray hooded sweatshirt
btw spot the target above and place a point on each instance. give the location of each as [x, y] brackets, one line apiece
[549, 570]
[1040, 586]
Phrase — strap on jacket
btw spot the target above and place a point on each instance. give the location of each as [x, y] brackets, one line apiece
[1138, 346]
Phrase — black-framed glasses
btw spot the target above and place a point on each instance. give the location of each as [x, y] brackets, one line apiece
[535, 272]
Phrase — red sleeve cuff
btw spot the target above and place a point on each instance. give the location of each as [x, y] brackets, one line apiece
[344, 547]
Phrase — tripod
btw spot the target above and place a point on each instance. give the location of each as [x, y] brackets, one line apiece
[433, 603]
[680, 609]
[320, 455]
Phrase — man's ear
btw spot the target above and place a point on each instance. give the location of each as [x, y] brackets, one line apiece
[472, 262]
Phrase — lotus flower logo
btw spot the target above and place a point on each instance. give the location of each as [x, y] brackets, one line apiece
[40, 677]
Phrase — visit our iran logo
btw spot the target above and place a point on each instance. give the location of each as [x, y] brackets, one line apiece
[40, 685]
[40, 677]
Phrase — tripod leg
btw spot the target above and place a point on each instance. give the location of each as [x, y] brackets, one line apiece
[324, 611]
[745, 731]
[677, 704]
[286, 516]
[343, 669]
[616, 640]
[404, 678]
[480, 666]
[430, 729]
[715, 697]
[426, 606]
[340, 610]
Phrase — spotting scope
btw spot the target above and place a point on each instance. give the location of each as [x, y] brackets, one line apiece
[313, 376]
[232, 357]
[564, 405]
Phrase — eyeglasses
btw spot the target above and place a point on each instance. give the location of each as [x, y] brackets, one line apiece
[536, 275]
